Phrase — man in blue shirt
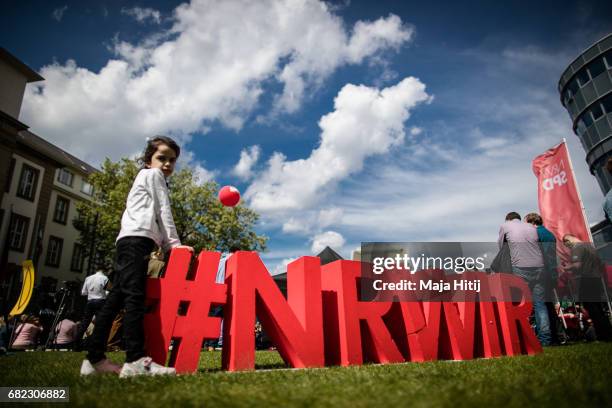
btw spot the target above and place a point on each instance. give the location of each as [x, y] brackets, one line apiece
[548, 246]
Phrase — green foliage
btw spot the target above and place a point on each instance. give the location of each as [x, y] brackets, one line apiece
[201, 221]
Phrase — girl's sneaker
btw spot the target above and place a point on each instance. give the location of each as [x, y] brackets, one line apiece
[145, 366]
[101, 367]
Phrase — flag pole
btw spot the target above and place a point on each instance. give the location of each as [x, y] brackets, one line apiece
[571, 166]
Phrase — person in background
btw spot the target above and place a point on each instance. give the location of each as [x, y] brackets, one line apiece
[588, 270]
[528, 263]
[66, 332]
[94, 288]
[27, 333]
[548, 246]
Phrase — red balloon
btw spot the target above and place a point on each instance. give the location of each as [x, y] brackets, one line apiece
[229, 196]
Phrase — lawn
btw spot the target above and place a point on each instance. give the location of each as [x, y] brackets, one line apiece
[572, 376]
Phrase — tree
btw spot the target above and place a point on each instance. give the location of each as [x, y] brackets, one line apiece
[201, 221]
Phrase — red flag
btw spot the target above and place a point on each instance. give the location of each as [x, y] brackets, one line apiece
[558, 197]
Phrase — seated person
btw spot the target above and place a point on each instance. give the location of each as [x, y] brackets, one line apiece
[66, 332]
[26, 333]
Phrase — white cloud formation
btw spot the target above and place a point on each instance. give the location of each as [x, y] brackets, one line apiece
[248, 158]
[457, 180]
[58, 13]
[142, 15]
[330, 216]
[281, 267]
[212, 65]
[461, 180]
[296, 226]
[312, 221]
[365, 122]
[201, 173]
[331, 239]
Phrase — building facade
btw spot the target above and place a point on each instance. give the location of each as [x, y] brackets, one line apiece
[40, 187]
[586, 93]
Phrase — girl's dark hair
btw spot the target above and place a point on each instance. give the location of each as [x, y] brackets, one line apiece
[153, 144]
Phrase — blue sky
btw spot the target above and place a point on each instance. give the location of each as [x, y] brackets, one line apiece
[339, 122]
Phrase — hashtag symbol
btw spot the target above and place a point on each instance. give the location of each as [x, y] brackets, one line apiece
[178, 307]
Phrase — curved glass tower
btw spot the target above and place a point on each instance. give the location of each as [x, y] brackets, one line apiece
[586, 93]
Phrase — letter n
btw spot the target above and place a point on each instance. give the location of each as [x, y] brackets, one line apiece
[295, 325]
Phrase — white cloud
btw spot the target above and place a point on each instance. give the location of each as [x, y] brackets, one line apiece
[365, 122]
[212, 65]
[415, 131]
[201, 173]
[368, 38]
[459, 183]
[248, 158]
[311, 221]
[296, 226]
[142, 15]
[331, 239]
[282, 266]
[58, 13]
[330, 216]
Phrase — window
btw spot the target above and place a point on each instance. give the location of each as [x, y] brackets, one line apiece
[18, 232]
[9, 179]
[572, 87]
[596, 67]
[80, 217]
[27, 183]
[583, 77]
[607, 103]
[608, 56]
[586, 117]
[596, 110]
[65, 177]
[86, 188]
[62, 205]
[77, 258]
[580, 127]
[54, 251]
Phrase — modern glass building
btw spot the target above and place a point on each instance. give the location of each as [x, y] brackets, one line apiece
[586, 93]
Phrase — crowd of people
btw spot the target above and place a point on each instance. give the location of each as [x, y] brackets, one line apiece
[533, 257]
[27, 332]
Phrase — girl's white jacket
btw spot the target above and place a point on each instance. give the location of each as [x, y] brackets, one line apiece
[148, 213]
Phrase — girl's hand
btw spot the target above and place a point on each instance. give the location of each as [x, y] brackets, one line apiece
[184, 247]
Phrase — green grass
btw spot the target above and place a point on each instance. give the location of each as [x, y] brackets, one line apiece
[571, 376]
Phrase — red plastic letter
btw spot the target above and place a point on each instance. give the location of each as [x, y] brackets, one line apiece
[295, 325]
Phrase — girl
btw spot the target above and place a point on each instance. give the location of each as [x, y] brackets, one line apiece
[146, 222]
